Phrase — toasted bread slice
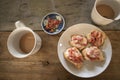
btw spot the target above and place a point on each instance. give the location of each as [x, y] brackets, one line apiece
[78, 41]
[96, 38]
[93, 54]
[74, 56]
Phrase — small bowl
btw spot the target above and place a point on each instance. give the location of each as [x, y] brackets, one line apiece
[53, 23]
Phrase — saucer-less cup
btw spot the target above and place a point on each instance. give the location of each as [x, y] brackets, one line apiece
[14, 38]
[100, 20]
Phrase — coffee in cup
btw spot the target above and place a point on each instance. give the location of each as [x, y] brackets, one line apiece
[27, 42]
[105, 11]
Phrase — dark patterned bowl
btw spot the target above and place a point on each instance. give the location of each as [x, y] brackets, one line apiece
[53, 23]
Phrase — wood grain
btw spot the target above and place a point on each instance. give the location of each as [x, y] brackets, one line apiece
[31, 13]
[45, 64]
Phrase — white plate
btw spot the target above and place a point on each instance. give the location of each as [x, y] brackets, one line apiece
[89, 69]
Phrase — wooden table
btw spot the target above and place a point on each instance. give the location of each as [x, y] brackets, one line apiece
[45, 65]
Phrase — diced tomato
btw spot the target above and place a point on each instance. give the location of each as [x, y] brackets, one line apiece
[52, 24]
[96, 38]
[93, 54]
[73, 57]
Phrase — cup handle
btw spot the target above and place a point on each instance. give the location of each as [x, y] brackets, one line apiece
[19, 24]
[117, 18]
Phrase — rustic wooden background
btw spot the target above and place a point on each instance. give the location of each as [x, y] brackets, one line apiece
[32, 11]
[45, 64]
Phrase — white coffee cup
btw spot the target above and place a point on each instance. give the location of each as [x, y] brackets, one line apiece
[14, 38]
[100, 20]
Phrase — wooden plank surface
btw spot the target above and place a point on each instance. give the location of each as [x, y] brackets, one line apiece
[45, 64]
[32, 11]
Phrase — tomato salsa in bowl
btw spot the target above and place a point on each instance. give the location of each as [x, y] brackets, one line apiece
[53, 23]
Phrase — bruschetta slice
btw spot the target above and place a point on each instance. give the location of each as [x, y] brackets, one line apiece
[74, 56]
[93, 53]
[96, 38]
[78, 41]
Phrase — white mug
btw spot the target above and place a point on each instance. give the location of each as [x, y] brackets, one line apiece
[100, 20]
[14, 38]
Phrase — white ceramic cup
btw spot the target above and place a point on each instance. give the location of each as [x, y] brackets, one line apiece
[100, 20]
[14, 38]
